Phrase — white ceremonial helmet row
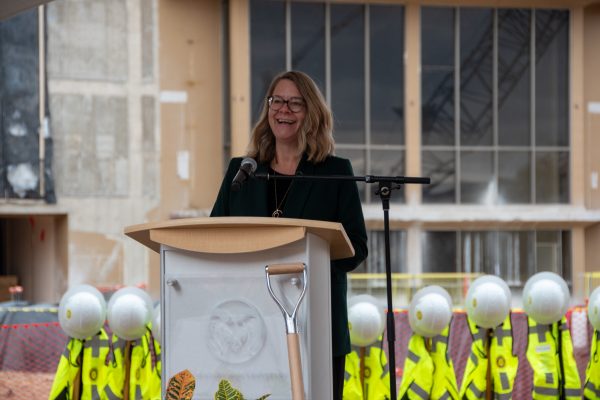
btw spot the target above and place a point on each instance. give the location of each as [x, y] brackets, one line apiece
[546, 297]
[488, 301]
[430, 311]
[594, 309]
[129, 311]
[82, 311]
[366, 318]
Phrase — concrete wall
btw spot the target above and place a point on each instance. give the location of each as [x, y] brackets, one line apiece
[103, 91]
[138, 100]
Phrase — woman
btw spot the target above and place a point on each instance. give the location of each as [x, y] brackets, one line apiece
[294, 135]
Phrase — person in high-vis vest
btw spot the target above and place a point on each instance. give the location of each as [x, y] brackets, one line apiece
[68, 372]
[428, 370]
[591, 388]
[490, 350]
[82, 368]
[135, 365]
[375, 381]
[550, 354]
[93, 367]
[366, 371]
[142, 379]
[492, 366]
[549, 347]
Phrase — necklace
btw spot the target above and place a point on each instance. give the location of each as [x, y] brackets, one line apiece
[278, 212]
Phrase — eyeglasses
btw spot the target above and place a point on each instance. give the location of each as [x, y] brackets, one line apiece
[295, 104]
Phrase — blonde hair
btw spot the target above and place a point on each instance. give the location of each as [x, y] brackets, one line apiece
[315, 137]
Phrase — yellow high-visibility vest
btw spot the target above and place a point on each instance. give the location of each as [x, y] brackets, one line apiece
[89, 358]
[591, 389]
[503, 364]
[417, 378]
[377, 375]
[94, 369]
[429, 373]
[66, 372]
[444, 377]
[550, 353]
[144, 370]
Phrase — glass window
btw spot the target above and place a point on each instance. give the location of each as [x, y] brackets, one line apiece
[511, 255]
[386, 76]
[347, 66]
[514, 77]
[439, 251]
[375, 262]
[440, 166]
[437, 70]
[308, 40]
[503, 54]
[477, 184]
[552, 177]
[514, 177]
[552, 77]
[267, 42]
[363, 45]
[476, 76]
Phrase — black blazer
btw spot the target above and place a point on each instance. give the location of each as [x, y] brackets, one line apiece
[324, 200]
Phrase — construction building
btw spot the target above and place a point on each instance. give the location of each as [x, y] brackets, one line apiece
[123, 112]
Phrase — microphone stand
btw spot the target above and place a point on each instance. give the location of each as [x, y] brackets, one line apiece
[385, 186]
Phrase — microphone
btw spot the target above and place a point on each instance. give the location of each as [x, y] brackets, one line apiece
[246, 170]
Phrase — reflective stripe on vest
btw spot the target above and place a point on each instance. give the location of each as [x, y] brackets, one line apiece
[376, 371]
[94, 369]
[444, 378]
[591, 389]
[417, 380]
[543, 355]
[144, 369]
[474, 380]
[503, 367]
[504, 363]
[66, 371]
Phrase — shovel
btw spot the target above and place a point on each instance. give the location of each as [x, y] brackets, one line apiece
[291, 326]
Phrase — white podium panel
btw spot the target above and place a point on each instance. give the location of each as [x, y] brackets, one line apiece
[220, 322]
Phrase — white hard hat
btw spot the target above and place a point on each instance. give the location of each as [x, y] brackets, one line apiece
[129, 311]
[156, 323]
[594, 309]
[82, 311]
[546, 297]
[366, 319]
[430, 311]
[488, 301]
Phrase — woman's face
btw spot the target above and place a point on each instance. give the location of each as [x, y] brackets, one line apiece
[285, 123]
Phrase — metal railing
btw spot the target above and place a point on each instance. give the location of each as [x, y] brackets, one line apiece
[404, 286]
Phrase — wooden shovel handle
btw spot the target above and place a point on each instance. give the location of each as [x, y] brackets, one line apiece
[293, 344]
[281, 269]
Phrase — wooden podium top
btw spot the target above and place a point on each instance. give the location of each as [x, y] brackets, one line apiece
[227, 235]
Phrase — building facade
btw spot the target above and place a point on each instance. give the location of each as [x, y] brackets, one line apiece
[499, 104]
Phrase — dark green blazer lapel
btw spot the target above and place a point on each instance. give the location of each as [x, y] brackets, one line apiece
[294, 206]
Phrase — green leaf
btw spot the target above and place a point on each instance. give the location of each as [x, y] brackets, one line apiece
[227, 392]
[181, 386]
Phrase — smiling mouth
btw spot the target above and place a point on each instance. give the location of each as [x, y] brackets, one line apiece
[285, 121]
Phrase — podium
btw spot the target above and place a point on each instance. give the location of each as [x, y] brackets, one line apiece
[218, 319]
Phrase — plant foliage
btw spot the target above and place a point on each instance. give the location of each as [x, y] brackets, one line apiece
[228, 392]
[181, 386]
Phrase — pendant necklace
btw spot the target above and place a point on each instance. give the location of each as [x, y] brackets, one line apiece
[278, 212]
